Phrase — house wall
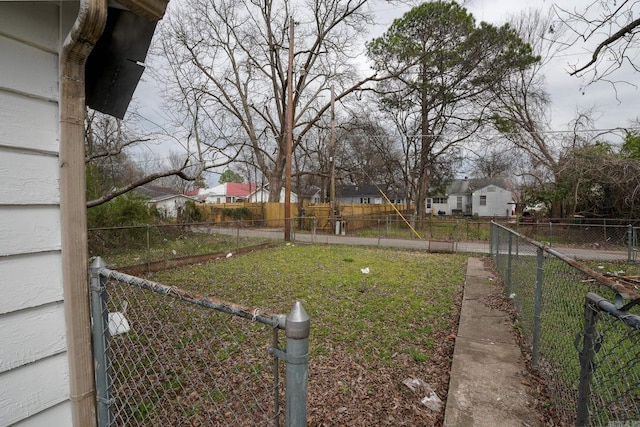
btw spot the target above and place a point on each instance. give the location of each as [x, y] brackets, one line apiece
[262, 196]
[34, 371]
[440, 207]
[371, 200]
[169, 207]
[498, 200]
[453, 207]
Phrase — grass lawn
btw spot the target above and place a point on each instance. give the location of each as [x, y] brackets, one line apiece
[369, 332]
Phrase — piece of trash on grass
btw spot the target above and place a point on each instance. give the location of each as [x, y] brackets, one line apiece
[229, 255]
[512, 296]
[174, 252]
[430, 399]
[365, 270]
[118, 324]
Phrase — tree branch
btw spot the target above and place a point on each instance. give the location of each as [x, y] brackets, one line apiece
[609, 40]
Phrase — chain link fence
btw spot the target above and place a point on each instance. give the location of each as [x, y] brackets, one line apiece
[166, 356]
[609, 391]
[613, 241]
[548, 291]
[147, 248]
[152, 247]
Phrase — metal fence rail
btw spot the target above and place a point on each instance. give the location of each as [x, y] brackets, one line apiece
[166, 356]
[548, 291]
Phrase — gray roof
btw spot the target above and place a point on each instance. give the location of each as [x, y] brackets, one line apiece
[468, 186]
[367, 190]
[156, 192]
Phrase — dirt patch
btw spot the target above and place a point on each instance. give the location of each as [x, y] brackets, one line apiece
[347, 390]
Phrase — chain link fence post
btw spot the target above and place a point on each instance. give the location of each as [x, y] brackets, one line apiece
[537, 309]
[497, 238]
[297, 371]
[509, 265]
[492, 238]
[148, 254]
[587, 355]
[315, 225]
[630, 244]
[100, 336]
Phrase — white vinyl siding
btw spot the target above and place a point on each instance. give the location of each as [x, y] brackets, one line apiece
[33, 173]
[34, 370]
[492, 201]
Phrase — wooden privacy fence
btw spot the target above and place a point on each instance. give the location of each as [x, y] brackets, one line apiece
[272, 214]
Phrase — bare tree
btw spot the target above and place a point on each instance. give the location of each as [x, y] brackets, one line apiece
[176, 161]
[229, 61]
[113, 171]
[606, 29]
[522, 109]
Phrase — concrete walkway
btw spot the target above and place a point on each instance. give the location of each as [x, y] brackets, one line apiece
[487, 386]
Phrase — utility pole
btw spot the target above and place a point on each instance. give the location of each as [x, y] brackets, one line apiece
[289, 139]
[332, 164]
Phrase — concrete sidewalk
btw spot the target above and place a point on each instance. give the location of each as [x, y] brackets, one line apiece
[488, 384]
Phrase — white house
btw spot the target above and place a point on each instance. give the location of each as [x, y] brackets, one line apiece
[166, 201]
[261, 195]
[170, 206]
[46, 363]
[483, 197]
[227, 192]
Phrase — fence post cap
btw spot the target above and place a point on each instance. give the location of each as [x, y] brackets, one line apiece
[98, 263]
[298, 323]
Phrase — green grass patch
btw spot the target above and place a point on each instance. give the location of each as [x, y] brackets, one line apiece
[368, 332]
[405, 296]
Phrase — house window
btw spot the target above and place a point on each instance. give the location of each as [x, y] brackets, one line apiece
[483, 200]
[428, 203]
[364, 200]
[440, 200]
[459, 202]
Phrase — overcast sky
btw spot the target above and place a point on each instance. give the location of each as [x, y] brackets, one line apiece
[613, 109]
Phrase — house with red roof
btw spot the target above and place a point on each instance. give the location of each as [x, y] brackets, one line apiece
[228, 192]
